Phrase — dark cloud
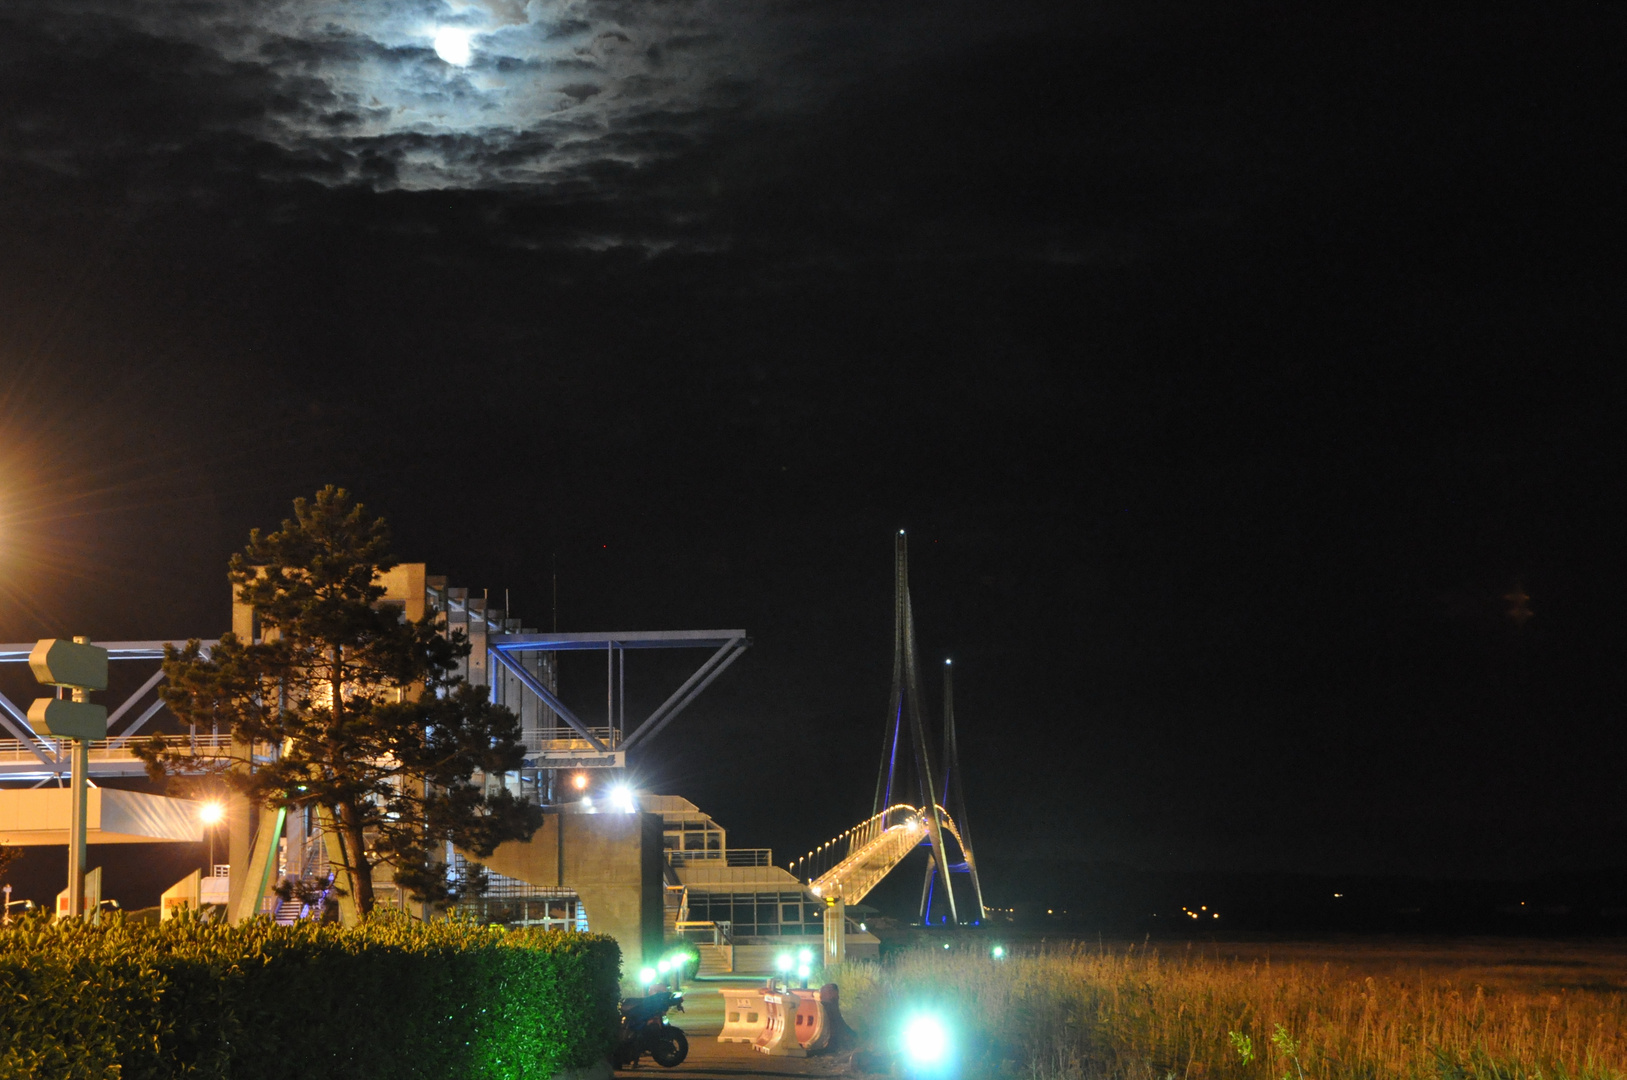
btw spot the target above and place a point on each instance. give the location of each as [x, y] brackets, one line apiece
[1213, 342]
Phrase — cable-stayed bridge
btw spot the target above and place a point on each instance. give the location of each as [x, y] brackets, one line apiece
[846, 868]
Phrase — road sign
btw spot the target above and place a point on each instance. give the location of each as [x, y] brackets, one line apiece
[81, 667]
[74, 664]
[63, 719]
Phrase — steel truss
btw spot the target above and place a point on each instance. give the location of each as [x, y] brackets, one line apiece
[31, 756]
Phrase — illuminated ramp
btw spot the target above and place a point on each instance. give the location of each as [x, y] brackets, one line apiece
[852, 864]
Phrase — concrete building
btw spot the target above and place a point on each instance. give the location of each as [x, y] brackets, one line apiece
[652, 873]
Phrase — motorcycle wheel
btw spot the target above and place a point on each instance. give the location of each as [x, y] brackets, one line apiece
[670, 1048]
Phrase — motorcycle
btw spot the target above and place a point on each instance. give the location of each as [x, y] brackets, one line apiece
[644, 1029]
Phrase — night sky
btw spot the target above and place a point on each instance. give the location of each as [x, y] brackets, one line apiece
[1229, 365]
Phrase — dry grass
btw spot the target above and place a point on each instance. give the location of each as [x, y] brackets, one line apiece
[1131, 1014]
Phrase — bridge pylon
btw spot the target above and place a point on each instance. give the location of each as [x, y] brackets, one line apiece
[907, 710]
[843, 870]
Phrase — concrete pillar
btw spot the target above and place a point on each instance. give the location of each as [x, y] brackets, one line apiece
[479, 675]
[612, 861]
[835, 931]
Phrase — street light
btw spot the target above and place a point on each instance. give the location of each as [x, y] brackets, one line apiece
[211, 813]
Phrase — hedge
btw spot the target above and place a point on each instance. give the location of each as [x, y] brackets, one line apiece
[386, 1000]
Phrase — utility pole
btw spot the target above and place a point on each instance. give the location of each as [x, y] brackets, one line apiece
[80, 667]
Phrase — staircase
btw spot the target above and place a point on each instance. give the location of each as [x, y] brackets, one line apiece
[288, 912]
[715, 959]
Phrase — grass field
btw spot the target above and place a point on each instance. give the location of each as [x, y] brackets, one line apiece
[1257, 1011]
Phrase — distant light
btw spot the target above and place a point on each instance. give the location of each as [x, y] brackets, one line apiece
[212, 813]
[998, 952]
[587, 801]
[925, 1040]
[947, 663]
[646, 977]
[946, 944]
[1338, 895]
[580, 780]
[452, 44]
[863, 929]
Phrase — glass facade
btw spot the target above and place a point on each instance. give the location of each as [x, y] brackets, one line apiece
[774, 914]
[509, 902]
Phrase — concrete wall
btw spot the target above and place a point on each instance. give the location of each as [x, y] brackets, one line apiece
[611, 861]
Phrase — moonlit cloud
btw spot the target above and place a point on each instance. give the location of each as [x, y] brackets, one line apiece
[419, 94]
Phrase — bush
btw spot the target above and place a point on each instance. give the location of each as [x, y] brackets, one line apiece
[385, 1000]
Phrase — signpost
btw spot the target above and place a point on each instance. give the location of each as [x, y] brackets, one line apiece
[81, 667]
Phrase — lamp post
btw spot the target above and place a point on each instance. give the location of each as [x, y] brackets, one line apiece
[80, 667]
[211, 814]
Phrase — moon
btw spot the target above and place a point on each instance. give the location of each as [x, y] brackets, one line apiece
[452, 45]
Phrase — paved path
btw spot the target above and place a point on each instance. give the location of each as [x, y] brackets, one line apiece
[709, 1059]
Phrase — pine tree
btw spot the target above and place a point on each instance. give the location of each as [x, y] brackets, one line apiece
[364, 712]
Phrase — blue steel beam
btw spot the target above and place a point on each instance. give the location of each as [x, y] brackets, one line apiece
[116, 650]
[539, 688]
[623, 639]
[680, 699]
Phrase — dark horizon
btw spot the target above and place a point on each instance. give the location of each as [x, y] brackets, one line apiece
[1234, 370]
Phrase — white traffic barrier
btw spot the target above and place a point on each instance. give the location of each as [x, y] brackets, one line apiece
[779, 1036]
[744, 1015]
[813, 1033]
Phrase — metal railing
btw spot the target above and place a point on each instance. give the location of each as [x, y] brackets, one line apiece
[116, 749]
[721, 932]
[731, 857]
[565, 740]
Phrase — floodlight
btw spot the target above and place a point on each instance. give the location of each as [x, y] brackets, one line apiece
[646, 977]
[925, 1040]
[804, 973]
[804, 957]
[664, 966]
[622, 797]
[782, 962]
[212, 813]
